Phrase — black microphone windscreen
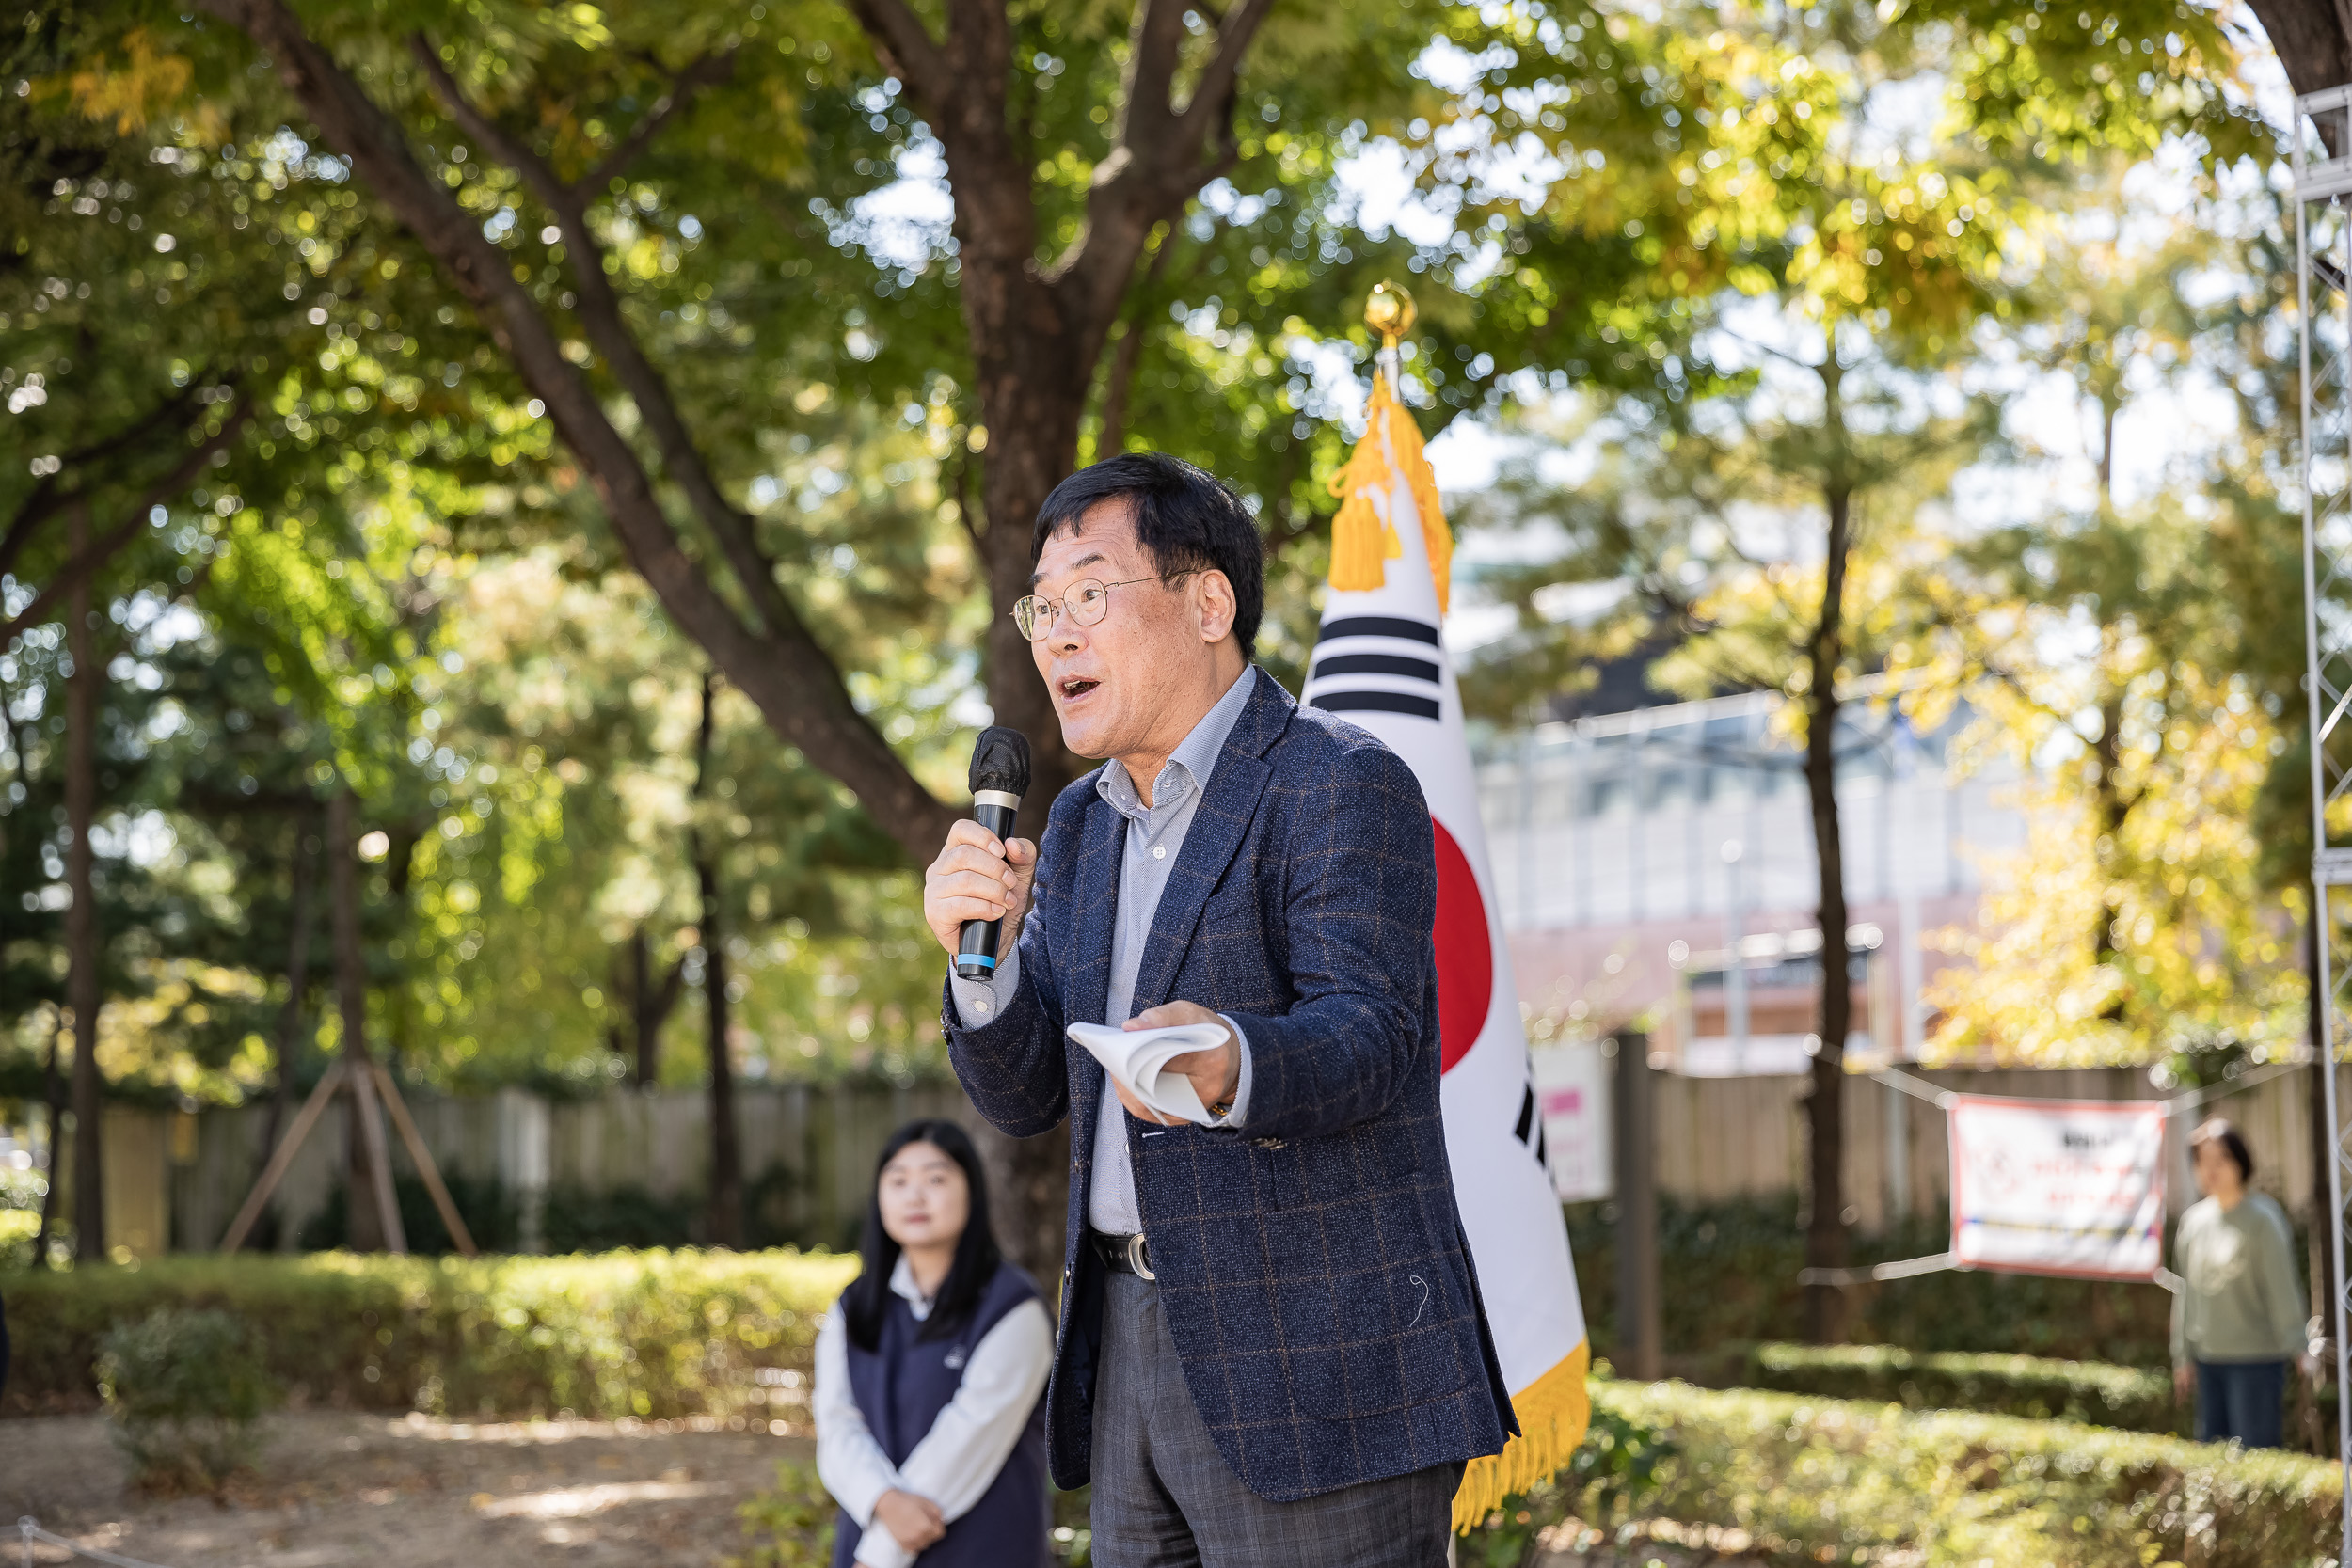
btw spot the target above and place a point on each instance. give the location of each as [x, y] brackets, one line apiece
[1000, 760]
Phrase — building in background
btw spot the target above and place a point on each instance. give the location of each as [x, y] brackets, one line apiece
[1656, 864]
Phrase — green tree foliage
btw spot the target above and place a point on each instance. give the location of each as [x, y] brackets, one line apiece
[1871, 251]
[2111, 644]
[512, 368]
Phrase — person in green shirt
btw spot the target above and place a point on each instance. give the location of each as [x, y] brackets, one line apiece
[2240, 1314]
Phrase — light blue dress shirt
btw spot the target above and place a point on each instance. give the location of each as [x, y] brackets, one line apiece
[1155, 837]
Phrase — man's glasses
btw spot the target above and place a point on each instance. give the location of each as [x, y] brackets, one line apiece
[1087, 604]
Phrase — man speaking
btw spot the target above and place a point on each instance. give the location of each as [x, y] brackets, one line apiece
[1272, 1349]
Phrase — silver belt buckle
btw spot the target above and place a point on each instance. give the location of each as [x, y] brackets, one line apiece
[1139, 1256]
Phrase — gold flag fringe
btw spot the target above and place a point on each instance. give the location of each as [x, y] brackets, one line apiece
[1553, 1411]
[1363, 537]
[1360, 536]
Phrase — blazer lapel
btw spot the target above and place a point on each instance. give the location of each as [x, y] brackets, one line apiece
[1096, 917]
[1218, 826]
[1088, 990]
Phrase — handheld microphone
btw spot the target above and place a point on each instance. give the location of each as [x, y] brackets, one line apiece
[1000, 776]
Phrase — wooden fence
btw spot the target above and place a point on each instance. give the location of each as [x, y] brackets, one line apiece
[821, 1141]
[1716, 1138]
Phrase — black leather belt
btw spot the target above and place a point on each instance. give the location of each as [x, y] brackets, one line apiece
[1123, 1254]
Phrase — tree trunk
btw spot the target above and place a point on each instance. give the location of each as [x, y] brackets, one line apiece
[2109, 408]
[366, 1208]
[649, 1007]
[84, 944]
[2108, 809]
[646, 1047]
[725, 1226]
[2313, 40]
[1028, 1183]
[282, 1101]
[1825, 1240]
[400, 864]
[53, 1087]
[1033, 396]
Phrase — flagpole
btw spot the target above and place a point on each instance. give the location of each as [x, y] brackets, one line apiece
[1388, 311]
[1381, 664]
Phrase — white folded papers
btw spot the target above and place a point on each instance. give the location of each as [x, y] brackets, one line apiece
[1137, 1060]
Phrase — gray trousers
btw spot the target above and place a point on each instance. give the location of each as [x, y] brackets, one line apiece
[1164, 1498]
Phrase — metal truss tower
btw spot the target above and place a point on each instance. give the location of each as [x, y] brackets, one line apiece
[2323, 251]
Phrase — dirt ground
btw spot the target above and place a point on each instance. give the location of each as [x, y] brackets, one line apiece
[341, 1488]
[336, 1488]
[1570, 1547]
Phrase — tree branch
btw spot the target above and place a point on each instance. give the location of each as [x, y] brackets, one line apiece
[479, 127]
[1157, 159]
[1212, 95]
[45, 501]
[665, 999]
[906, 49]
[49, 497]
[1291, 522]
[1118, 380]
[91, 557]
[967, 503]
[1147, 112]
[798, 687]
[599, 310]
[707, 71]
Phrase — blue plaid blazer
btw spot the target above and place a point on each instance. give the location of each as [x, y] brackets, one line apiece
[1312, 1266]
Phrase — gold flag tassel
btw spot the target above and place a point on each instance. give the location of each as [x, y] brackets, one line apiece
[1553, 1411]
[1437, 539]
[1363, 536]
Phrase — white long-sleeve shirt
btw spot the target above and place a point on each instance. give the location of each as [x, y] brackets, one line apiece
[957, 1460]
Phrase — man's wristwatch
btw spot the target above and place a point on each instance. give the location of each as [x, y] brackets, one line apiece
[1224, 1107]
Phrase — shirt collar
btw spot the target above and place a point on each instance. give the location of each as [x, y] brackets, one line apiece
[902, 1285]
[1195, 755]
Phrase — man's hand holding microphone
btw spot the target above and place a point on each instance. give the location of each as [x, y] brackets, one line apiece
[978, 875]
[976, 890]
[982, 876]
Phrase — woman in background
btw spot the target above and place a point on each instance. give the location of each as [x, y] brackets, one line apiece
[2240, 1315]
[931, 1428]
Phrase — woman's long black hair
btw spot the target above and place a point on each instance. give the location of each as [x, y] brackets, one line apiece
[976, 1253]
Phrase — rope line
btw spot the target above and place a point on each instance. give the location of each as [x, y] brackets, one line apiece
[2182, 1105]
[30, 1527]
[1935, 1095]
[1894, 1078]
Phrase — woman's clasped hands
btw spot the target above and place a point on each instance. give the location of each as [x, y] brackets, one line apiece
[914, 1522]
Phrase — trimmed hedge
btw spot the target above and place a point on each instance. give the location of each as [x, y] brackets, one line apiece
[2090, 1392]
[18, 1228]
[1826, 1481]
[1729, 1276]
[649, 1334]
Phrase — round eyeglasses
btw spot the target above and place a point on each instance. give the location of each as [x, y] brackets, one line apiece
[1087, 603]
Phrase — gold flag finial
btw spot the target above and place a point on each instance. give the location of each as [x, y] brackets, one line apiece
[1363, 535]
[1389, 312]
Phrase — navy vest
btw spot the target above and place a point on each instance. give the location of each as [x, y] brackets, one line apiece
[900, 1387]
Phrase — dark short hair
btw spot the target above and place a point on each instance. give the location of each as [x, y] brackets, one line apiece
[1185, 520]
[2223, 1131]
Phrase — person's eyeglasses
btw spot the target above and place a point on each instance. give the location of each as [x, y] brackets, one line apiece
[1087, 604]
